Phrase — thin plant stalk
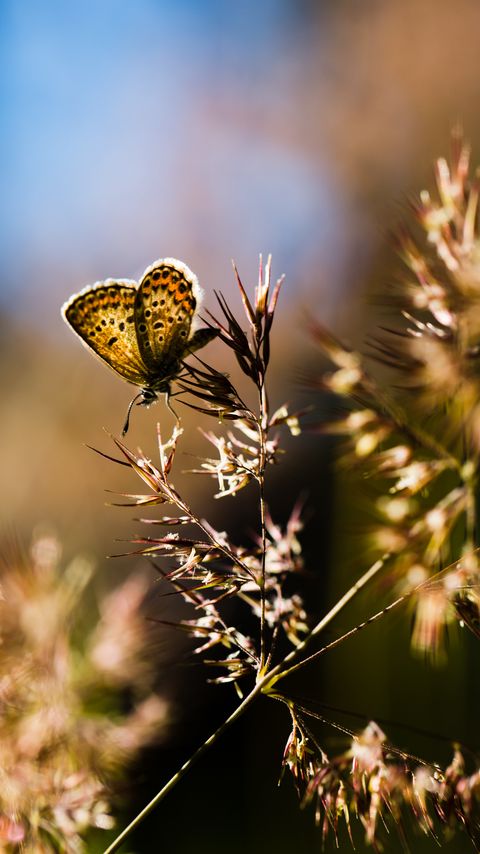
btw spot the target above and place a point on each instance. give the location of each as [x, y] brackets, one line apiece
[267, 681]
[279, 672]
[120, 839]
[263, 424]
[468, 463]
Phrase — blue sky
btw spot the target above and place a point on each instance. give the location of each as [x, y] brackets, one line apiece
[136, 130]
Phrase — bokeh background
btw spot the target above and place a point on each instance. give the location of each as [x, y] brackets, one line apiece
[209, 130]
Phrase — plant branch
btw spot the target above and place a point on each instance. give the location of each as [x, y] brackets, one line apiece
[278, 672]
[120, 839]
[263, 427]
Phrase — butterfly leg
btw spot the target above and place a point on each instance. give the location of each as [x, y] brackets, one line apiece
[147, 397]
[168, 396]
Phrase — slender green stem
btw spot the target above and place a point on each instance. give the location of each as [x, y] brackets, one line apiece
[120, 839]
[220, 546]
[469, 467]
[263, 427]
[470, 513]
[470, 483]
[279, 671]
[264, 684]
[262, 578]
[344, 637]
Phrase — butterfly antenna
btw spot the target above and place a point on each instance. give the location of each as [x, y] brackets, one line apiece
[127, 420]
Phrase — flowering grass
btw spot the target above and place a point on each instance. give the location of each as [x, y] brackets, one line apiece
[416, 438]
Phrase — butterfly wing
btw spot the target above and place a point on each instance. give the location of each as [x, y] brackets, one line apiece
[103, 316]
[165, 304]
[200, 338]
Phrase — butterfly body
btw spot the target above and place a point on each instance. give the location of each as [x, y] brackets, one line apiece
[141, 330]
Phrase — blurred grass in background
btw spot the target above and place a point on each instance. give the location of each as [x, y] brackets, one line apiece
[206, 131]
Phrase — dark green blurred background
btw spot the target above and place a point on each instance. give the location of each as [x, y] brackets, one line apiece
[205, 131]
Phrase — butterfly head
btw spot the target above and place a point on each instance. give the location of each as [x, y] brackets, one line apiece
[149, 396]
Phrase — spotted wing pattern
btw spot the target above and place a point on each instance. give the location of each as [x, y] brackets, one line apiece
[164, 308]
[104, 318]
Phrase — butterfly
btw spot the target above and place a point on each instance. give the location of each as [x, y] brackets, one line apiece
[142, 330]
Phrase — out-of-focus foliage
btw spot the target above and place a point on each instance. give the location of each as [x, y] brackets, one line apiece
[66, 736]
